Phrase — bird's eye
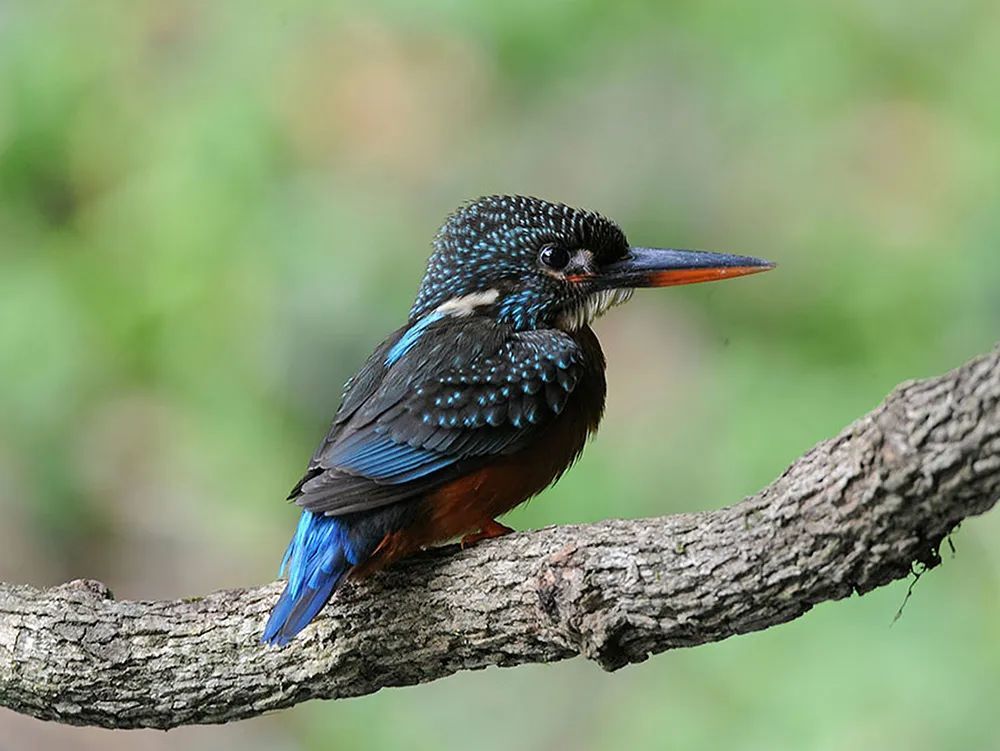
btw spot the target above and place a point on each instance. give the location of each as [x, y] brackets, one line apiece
[554, 257]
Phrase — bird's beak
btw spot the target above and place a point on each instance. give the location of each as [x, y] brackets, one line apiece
[665, 267]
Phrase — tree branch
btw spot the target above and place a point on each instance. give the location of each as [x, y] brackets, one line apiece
[853, 514]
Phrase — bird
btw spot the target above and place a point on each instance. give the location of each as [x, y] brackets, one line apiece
[482, 399]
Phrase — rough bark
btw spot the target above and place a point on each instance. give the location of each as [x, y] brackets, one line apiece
[852, 514]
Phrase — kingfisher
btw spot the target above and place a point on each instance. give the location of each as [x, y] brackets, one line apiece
[482, 399]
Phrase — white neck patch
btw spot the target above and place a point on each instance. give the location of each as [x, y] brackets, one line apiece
[466, 305]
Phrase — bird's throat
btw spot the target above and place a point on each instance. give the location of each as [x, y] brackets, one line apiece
[583, 311]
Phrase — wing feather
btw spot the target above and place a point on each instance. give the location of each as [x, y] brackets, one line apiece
[462, 391]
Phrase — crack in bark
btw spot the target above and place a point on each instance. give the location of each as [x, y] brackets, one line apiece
[852, 514]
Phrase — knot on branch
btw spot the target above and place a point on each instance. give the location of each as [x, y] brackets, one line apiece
[583, 614]
[90, 588]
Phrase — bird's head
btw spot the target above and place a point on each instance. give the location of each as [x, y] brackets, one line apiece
[535, 264]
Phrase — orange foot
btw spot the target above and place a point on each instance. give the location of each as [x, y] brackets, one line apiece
[492, 528]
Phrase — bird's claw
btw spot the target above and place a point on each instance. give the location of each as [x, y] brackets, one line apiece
[492, 528]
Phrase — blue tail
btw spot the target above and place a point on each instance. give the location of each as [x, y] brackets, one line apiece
[316, 560]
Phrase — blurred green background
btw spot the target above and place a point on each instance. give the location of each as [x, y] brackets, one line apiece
[210, 213]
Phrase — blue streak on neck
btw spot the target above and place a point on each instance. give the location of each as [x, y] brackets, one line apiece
[411, 337]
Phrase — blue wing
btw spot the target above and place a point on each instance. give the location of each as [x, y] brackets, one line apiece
[460, 391]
